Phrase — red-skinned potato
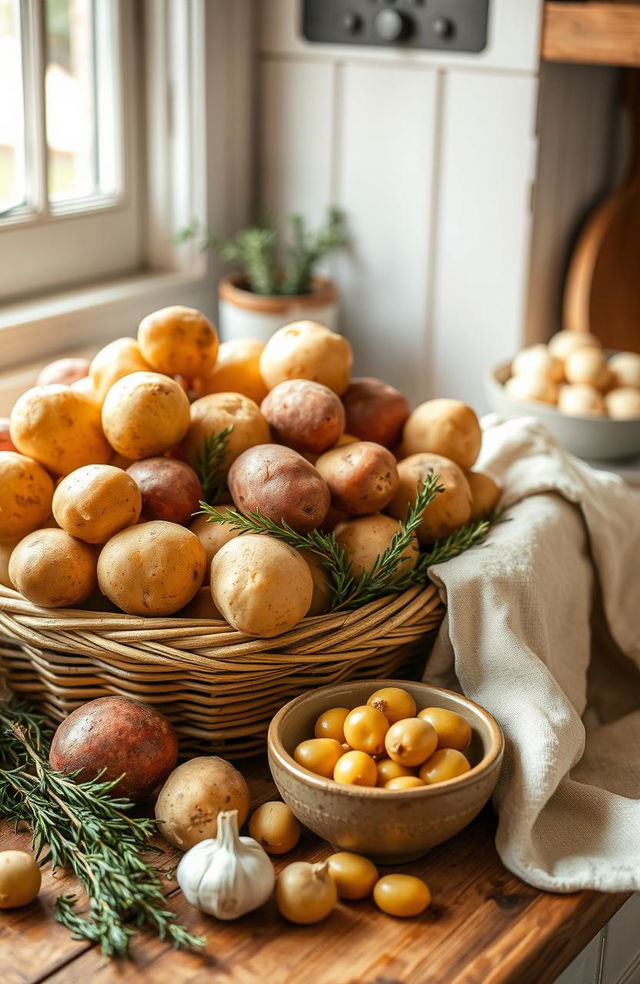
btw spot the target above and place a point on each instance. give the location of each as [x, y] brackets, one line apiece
[304, 415]
[123, 737]
[281, 484]
[450, 508]
[6, 444]
[64, 371]
[362, 477]
[375, 411]
[170, 489]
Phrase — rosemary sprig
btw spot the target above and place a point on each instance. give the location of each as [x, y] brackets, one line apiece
[83, 826]
[210, 462]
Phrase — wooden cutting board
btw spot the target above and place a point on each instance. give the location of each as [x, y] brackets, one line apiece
[602, 292]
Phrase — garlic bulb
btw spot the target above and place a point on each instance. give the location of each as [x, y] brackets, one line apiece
[228, 876]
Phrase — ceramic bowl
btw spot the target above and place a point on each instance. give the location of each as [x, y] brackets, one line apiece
[387, 826]
[594, 438]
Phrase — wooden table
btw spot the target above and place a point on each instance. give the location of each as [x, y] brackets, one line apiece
[484, 927]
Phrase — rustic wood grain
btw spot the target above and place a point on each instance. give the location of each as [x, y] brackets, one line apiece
[592, 33]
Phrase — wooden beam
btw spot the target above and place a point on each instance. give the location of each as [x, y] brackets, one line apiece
[592, 33]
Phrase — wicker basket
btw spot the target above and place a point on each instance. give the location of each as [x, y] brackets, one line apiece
[219, 687]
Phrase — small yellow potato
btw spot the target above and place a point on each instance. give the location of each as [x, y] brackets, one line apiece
[154, 568]
[485, 493]
[60, 428]
[117, 359]
[26, 491]
[401, 895]
[212, 536]
[330, 724]
[394, 702]
[580, 399]
[319, 755]
[445, 427]
[445, 764]
[275, 828]
[322, 595]
[411, 741]
[52, 569]
[388, 769]
[355, 768]
[214, 413]
[625, 367]
[307, 350]
[532, 386]
[367, 537]
[178, 341]
[404, 782]
[353, 875]
[537, 359]
[262, 586]
[563, 343]
[6, 549]
[145, 414]
[452, 729]
[450, 508]
[237, 370]
[365, 728]
[623, 403]
[305, 893]
[587, 365]
[20, 879]
[96, 501]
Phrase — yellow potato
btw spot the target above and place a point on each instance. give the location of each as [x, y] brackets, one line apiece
[322, 595]
[178, 341]
[60, 428]
[117, 359]
[587, 365]
[213, 414]
[623, 403]
[367, 537]
[202, 606]
[485, 493]
[449, 510]
[579, 399]
[445, 427]
[563, 343]
[152, 569]
[26, 491]
[262, 586]
[625, 367]
[237, 370]
[86, 387]
[94, 502]
[532, 386]
[52, 569]
[212, 536]
[6, 549]
[145, 414]
[307, 350]
[538, 359]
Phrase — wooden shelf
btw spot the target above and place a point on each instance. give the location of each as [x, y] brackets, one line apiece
[592, 33]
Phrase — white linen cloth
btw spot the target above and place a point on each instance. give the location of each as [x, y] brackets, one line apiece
[543, 629]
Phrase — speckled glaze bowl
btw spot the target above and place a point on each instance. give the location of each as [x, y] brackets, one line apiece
[387, 826]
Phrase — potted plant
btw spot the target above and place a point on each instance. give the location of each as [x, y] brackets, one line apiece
[275, 283]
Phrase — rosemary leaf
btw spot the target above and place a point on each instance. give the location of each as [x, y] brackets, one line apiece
[210, 463]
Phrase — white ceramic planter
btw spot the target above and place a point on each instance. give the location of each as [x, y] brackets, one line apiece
[242, 314]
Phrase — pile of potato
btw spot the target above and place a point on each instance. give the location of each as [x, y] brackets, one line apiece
[99, 473]
[573, 373]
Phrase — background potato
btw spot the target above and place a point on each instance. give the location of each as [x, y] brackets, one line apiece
[537, 359]
[366, 538]
[485, 493]
[304, 415]
[623, 403]
[170, 489]
[564, 342]
[212, 536]
[282, 484]
[64, 371]
[6, 444]
[214, 413]
[587, 365]
[362, 477]
[202, 606]
[60, 428]
[94, 502]
[580, 398]
[6, 549]
[144, 414]
[307, 350]
[117, 359]
[449, 510]
[178, 340]
[375, 411]
[237, 370]
[445, 427]
[26, 491]
[152, 569]
[532, 386]
[53, 569]
[262, 586]
[625, 367]
[85, 386]
[322, 595]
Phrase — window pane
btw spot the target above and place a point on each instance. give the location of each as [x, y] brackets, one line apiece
[12, 165]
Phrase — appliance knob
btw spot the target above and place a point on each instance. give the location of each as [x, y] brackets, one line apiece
[391, 25]
[351, 22]
[443, 28]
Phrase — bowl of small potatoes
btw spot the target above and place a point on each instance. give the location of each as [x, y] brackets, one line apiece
[588, 397]
[385, 768]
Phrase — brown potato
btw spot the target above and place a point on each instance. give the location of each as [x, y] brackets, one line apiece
[485, 493]
[375, 411]
[366, 538]
[64, 371]
[449, 510]
[178, 340]
[237, 370]
[214, 413]
[145, 414]
[96, 501]
[121, 736]
[202, 606]
[60, 428]
[322, 594]
[152, 569]
[262, 586]
[170, 489]
[281, 484]
[53, 569]
[212, 536]
[305, 416]
[188, 804]
[26, 491]
[307, 350]
[362, 477]
[6, 444]
[6, 549]
[445, 427]
[117, 359]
